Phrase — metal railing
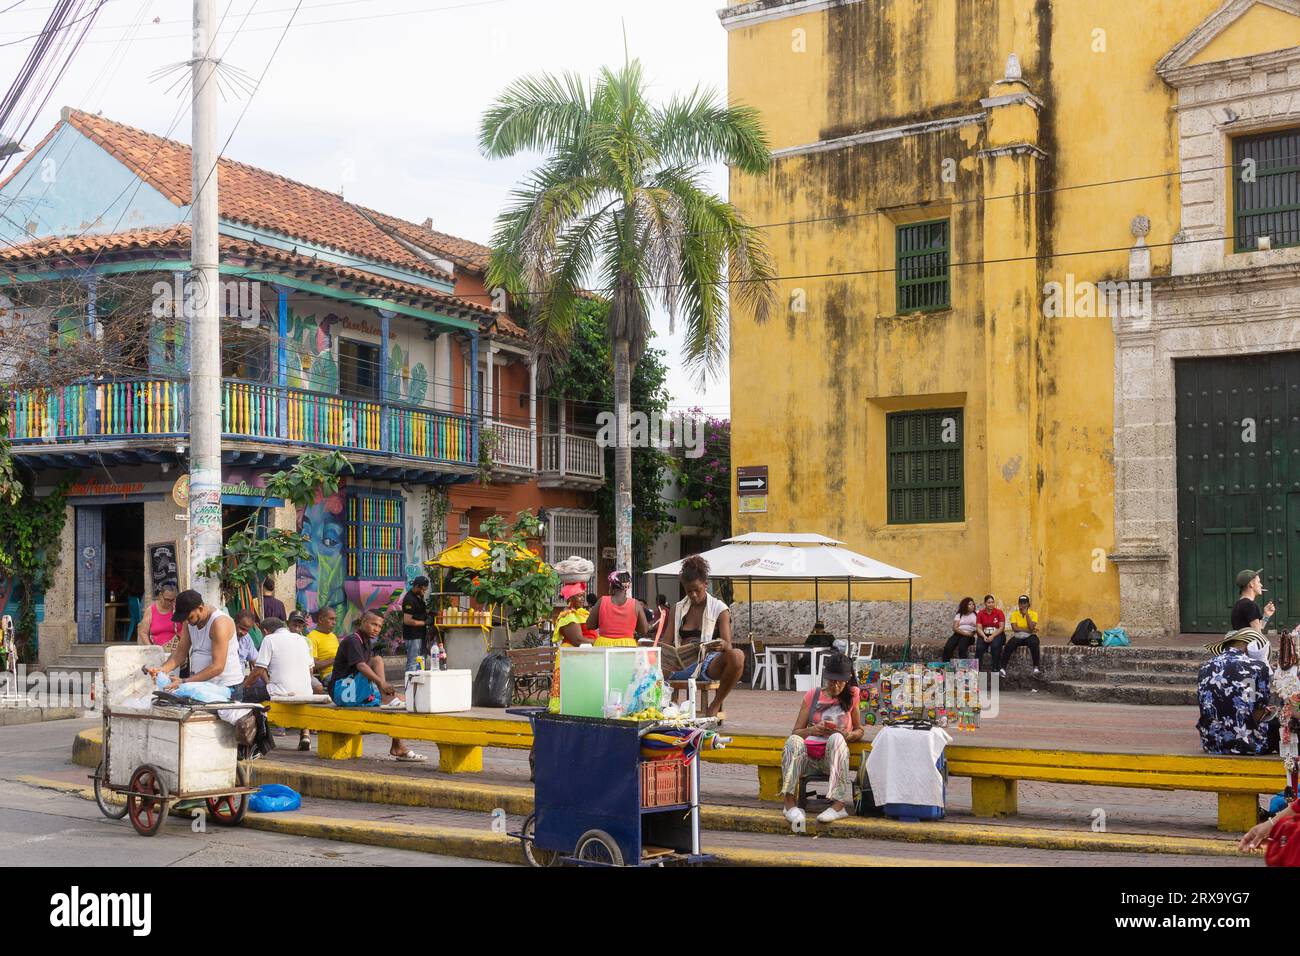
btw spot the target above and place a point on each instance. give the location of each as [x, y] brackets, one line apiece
[159, 408]
[572, 456]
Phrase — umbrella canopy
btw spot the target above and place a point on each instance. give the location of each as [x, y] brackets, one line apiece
[791, 557]
[472, 554]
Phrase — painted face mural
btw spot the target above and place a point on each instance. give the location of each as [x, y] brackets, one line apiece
[320, 577]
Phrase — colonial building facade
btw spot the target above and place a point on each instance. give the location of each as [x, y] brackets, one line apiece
[1041, 331]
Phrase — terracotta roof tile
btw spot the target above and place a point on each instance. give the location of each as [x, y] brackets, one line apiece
[250, 195]
[470, 255]
[52, 252]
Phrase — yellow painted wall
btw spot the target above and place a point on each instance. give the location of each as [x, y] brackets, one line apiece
[810, 390]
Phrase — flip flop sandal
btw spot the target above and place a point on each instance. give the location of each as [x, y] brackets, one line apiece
[410, 757]
[304, 743]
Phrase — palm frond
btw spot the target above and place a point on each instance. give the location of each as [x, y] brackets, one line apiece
[535, 113]
[701, 128]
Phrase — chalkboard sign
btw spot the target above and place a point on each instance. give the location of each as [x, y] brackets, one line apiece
[162, 564]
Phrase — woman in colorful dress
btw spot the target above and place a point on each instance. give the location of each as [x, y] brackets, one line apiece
[569, 631]
[618, 617]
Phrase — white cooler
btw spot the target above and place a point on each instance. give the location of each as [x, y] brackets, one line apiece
[438, 692]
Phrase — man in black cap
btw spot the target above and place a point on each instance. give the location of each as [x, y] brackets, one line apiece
[1246, 612]
[208, 643]
[415, 621]
[1023, 623]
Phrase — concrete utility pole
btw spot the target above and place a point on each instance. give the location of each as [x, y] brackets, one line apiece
[205, 320]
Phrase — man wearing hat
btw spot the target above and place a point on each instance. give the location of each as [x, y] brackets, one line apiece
[415, 621]
[1246, 612]
[1232, 691]
[208, 643]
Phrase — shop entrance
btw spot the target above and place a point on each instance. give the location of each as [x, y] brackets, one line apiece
[110, 572]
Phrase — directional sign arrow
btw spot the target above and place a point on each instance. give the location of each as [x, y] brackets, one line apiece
[752, 484]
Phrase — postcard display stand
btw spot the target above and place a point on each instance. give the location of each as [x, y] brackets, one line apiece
[943, 694]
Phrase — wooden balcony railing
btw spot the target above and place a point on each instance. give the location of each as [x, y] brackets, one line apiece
[512, 446]
[159, 408]
[572, 456]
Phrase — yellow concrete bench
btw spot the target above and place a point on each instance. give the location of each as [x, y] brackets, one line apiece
[995, 773]
[460, 740]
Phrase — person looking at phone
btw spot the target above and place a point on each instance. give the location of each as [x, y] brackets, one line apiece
[828, 722]
[697, 639]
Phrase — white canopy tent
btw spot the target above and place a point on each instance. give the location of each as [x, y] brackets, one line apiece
[795, 557]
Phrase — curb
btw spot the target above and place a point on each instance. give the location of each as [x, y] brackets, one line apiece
[492, 847]
[456, 795]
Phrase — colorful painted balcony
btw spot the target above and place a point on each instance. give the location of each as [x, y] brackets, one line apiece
[158, 409]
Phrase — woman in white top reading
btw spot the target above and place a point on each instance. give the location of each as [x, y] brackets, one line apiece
[700, 627]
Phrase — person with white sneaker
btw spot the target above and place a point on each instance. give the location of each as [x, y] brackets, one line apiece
[828, 721]
[1023, 624]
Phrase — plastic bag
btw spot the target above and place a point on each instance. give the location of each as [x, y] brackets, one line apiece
[205, 692]
[494, 681]
[273, 798]
[1114, 637]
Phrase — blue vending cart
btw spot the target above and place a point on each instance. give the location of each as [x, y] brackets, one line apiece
[587, 800]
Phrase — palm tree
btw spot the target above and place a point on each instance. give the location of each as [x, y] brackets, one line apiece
[619, 200]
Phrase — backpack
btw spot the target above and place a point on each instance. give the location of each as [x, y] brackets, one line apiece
[1115, 637]
[1086, 634]
[1284, 843]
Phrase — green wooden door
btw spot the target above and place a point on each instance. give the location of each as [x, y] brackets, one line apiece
[1238, 473]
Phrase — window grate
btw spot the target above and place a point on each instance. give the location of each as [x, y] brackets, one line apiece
[376, 522]
[924, 466]
[922, 266]
[1270, 204]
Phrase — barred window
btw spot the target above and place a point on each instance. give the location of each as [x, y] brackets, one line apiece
[376, 521]
[1266, 194]
[924, 465]
[922, 266]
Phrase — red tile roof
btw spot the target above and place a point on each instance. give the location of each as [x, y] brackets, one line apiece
[250, 195]
[53, 252]
[473, 256]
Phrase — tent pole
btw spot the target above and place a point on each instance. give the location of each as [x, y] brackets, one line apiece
[849, 584]
[907, 651]
[817, 602]
[749, 603]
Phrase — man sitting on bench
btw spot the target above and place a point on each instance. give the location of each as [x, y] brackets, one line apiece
[697, 638]
[359, 678]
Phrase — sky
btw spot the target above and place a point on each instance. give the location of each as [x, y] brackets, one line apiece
[381, 98]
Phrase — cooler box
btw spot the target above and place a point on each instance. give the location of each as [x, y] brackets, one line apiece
[588, 674]
[914, 813]
[438, 692]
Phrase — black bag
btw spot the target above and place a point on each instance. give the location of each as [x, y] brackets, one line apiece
[493, 682]
[1086, 634]
[866, 806]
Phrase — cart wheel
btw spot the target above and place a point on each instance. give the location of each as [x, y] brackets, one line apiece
[111, 805]
[597, 846]
[147, 802]
[534, 854]
[228, 811]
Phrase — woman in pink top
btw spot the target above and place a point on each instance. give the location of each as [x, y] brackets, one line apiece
[618, 618]
[828, 721]
[156, 625]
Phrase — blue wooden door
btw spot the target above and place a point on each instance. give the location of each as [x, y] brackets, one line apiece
[90, 574]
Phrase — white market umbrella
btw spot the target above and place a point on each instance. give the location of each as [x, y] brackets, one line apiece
[797, 557]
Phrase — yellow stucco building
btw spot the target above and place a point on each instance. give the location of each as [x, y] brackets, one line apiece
[951, 385]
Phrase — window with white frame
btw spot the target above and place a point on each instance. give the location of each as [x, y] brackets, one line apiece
[570, 532]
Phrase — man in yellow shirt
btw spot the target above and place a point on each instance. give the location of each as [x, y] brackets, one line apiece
[324, 645]
[1023, 623]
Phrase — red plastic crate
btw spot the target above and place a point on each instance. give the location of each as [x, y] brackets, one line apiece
[664, 783]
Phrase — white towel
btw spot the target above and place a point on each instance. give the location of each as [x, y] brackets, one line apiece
[902, 766]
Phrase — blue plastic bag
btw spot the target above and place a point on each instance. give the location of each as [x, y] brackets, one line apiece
[1278, 803]
[204, 692]
[1114, 637]
[274, 797]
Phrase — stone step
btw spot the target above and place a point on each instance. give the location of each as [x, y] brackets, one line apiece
[1141, 665]
[1122, 693]
[1163, 678]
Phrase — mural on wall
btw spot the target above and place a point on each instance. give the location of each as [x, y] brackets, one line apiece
[408, 384]
[310, 352]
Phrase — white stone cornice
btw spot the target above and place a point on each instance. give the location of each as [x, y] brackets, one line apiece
[1014, 149]
[880, 135]
[1240, 68]
[1008, 99]
[764, 11]
[1209, 28]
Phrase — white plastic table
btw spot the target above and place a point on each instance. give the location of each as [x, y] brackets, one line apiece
[815, 655]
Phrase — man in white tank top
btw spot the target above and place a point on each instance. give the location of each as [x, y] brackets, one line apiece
[208, 643]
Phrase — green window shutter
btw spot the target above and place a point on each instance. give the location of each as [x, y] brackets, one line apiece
[1270, 205]
[922, 266]
[924, 466]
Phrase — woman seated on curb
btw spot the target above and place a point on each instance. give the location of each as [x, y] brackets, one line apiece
[828, 720]
[1261, 832]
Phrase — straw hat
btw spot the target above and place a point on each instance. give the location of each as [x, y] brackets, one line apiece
[1245, 634]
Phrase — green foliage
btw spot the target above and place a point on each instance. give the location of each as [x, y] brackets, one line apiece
[247, 558]
[705, 482]
[585, 374]
[29, 554]
[488, 441]
[516, 582]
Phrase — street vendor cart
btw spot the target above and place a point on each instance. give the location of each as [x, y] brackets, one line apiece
[156, 755]
[600, 802]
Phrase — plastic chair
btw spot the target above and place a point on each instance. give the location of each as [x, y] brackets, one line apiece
[135, 611]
